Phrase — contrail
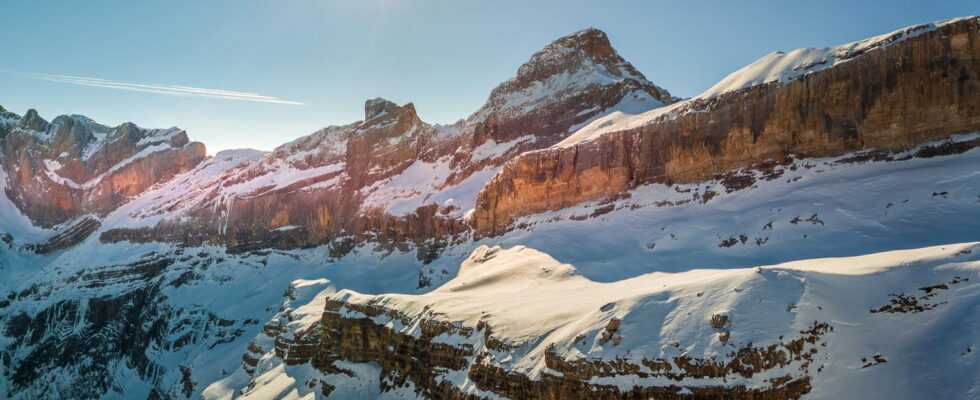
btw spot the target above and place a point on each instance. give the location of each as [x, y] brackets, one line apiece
[164, 89]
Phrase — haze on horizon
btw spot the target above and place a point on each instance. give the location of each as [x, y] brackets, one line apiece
[257, 74]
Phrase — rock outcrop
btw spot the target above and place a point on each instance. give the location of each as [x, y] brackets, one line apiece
[919, 89]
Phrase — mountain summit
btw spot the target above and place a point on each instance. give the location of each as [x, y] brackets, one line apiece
[582, 49]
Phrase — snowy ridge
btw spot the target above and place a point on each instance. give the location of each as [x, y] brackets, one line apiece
[328, 140]
[785, 67]
[634, 111]
[534, 304]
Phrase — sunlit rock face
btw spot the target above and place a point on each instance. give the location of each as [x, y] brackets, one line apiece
[890, 96]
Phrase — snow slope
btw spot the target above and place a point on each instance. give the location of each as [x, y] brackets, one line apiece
[812, 208]
[785, 67]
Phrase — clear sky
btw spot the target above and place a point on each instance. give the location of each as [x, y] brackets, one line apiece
[256, 74]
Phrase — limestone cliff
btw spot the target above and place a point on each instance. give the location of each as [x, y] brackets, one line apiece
[922, 88]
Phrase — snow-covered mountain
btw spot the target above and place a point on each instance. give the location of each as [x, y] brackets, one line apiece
[60, 170]
[889, 92]
[392, 178]
[584, 234]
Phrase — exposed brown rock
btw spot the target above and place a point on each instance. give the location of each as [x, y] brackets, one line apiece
[719, 321]
[921, 89]
[903, 303]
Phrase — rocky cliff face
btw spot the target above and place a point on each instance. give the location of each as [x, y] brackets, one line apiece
[890, 96]
[60, 170]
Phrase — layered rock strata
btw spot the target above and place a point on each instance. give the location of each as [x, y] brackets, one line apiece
[920, 89]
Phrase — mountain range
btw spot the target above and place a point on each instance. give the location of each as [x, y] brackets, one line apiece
[805, 228]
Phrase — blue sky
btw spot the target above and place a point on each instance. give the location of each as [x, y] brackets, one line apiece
[445, 56]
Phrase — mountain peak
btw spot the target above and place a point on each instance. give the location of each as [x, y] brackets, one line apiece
[592, 41]
[587, 45]
[580, 73]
